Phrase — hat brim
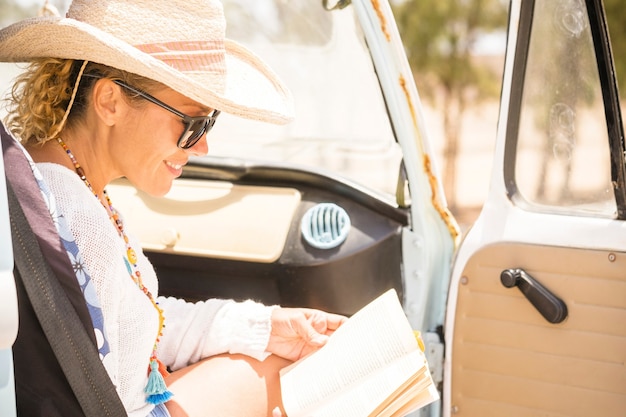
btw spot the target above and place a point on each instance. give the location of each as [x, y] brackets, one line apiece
[252, 90]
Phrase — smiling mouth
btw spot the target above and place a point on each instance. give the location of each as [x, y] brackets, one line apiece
[172, 165]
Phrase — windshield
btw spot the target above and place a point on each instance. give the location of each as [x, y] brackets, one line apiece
[341, 124]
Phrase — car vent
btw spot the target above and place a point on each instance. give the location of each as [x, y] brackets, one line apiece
[325, 226]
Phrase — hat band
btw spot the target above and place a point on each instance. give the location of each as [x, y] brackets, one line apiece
[189, 56]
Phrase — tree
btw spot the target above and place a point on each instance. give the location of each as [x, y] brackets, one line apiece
[439, 36]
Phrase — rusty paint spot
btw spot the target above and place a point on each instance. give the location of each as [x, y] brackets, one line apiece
[408, 98]
[381, 18]
[445, 214]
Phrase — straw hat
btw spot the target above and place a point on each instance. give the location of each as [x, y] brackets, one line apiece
[180, 43]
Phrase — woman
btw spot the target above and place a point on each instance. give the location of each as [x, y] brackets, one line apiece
[130, 89]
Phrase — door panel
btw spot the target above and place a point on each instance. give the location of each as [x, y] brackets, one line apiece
[554, 210]
[509, 360]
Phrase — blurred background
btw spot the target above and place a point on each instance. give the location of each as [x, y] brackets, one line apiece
[456, 52]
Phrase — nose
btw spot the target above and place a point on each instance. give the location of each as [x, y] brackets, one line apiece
[200, 148]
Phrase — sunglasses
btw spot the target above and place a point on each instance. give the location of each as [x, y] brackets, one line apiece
[195, 127]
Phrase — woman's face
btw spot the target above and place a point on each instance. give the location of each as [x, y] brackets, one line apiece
[146, 150]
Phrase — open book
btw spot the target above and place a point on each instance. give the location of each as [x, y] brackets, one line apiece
[373, 365]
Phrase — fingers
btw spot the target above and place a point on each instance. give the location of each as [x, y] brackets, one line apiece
[318, 326]
[310, 325]
[324, 322]
[298, 332]
[307, 330]
[333, 321]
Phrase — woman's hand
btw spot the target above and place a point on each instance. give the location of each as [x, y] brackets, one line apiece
[296, 332]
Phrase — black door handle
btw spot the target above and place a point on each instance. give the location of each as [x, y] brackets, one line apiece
[551, 307]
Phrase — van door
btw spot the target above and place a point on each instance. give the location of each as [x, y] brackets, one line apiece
[536, 318]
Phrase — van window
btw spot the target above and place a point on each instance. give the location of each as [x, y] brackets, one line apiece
[562, 160]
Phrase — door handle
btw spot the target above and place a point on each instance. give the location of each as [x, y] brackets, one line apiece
[551, 307]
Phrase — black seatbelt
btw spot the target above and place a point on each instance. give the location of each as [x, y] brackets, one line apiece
[71, 343]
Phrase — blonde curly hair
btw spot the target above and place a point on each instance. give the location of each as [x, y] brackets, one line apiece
[41, 95]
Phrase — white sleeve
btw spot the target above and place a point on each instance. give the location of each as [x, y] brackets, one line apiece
[194, 331]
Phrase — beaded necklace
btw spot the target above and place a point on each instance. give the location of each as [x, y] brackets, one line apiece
[156, 388]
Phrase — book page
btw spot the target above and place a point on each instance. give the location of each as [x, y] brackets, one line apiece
[415, 394]
[375, 337]
[383, 387]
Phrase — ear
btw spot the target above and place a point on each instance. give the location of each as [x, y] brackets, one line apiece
[108, 102]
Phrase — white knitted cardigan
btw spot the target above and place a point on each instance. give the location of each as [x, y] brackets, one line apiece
[192, 331]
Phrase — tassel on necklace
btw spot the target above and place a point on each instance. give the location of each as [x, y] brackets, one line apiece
[156, 389]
